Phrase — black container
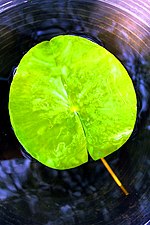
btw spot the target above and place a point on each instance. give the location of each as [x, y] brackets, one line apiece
[33, 194]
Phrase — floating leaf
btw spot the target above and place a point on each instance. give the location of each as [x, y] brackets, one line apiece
[70, 96]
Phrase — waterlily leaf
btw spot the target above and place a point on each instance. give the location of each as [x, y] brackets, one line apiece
[70, 96]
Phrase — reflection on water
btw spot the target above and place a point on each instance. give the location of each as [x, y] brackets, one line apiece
[31, 193]
[56, 196]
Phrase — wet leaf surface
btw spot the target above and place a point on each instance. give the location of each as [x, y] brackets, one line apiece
[68, 96]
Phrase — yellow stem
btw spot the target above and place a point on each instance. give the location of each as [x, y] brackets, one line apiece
[114, 176]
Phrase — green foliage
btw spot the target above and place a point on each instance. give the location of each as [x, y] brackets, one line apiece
[69, 97]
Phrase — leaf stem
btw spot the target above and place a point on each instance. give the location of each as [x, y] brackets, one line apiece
[114, 176]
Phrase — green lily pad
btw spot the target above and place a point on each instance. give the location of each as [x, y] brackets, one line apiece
[70, 96]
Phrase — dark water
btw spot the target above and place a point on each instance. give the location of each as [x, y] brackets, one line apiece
[31, 193]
